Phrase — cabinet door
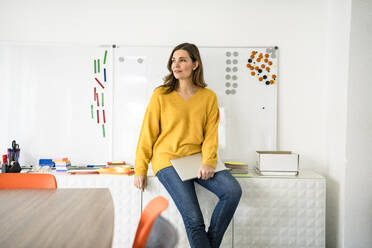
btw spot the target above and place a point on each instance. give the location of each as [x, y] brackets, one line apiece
[207, 202]
[280, 212]
[127, 201]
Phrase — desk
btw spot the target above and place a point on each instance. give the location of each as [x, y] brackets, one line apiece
[56, 218]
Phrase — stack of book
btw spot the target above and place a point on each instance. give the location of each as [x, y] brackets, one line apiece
[238, 169]
[62, 164]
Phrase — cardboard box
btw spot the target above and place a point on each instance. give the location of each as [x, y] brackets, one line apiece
[277, 163]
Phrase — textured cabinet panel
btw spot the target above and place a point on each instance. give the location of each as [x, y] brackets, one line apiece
[207, 202]
[280, 212]
[127, 201]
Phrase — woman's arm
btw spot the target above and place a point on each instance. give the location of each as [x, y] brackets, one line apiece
[149, 133]
[210, 144]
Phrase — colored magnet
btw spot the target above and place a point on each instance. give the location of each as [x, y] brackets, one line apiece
[104, 59]
[99, 83]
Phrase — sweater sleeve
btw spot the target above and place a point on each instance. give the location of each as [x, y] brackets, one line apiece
[210, 144]
[149, 133]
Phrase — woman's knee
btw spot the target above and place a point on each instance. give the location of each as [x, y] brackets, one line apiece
[235, 192]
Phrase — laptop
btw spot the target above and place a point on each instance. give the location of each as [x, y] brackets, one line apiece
[188, 167]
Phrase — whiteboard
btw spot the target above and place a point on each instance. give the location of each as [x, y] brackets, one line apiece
[47, 98]
[247, 105]
[47, 93]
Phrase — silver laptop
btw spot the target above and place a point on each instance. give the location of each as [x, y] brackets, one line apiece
[188, 167]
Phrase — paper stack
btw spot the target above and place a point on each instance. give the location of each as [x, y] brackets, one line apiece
[238, 169]
[62, 164]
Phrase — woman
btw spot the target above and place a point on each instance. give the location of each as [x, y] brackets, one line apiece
[182, 119]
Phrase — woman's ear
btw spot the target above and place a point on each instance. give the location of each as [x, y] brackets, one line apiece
[195, 65]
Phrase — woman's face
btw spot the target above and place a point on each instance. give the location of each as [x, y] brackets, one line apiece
[182, 65]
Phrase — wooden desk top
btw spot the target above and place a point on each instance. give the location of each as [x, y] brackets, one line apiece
[56, 218]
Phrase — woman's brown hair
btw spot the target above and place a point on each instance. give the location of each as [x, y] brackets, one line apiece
[197, 76]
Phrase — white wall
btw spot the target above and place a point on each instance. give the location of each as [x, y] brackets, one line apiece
[297, 27]
[339, 12]
[358, 184]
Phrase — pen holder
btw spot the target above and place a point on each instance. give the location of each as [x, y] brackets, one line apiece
[15, 168]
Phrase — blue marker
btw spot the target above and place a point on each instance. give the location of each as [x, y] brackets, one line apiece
[104, 74]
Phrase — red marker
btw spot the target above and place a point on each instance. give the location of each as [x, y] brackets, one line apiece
[104, 117]
[95, 93]
[97, 116]
[99, 83]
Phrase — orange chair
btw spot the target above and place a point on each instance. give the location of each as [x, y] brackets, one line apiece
[152, 210]
[27, 181]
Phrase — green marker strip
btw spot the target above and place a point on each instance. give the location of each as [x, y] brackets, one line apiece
[91, 110]
[95, 66]
[103, 103]
[98, 66]
[104, 60]
[103, 129]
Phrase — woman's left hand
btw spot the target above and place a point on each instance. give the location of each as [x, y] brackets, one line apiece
[205, 172]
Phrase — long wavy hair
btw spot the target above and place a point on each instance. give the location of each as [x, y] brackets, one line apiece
[171, 83]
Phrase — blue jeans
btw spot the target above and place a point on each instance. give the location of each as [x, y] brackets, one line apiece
[222, 184]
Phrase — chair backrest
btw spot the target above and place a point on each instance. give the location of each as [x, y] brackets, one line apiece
[152, 210]
[160, 229]
[27, 181]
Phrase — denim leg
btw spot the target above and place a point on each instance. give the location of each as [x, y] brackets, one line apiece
[184, 196]
[228, 190]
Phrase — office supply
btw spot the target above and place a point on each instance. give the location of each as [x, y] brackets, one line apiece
[62, 164]
[188, 167]
[97, 115]
[91, 110]
[82, 172]
[280, 163]
[103, 112]
[46, 162]
[117, 163]
[118, 170]
[4, 165]
[104, 74]
[57, 218]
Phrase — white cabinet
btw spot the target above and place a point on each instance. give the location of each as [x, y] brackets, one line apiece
[272, 213]
[281, 212]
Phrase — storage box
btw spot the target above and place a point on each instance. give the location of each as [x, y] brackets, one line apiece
[277, 163]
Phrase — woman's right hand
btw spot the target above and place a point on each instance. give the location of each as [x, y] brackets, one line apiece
[140, 182]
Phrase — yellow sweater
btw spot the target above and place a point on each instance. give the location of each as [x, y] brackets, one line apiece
[174, 127]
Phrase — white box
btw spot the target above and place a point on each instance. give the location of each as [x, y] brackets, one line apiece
[277, 163]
